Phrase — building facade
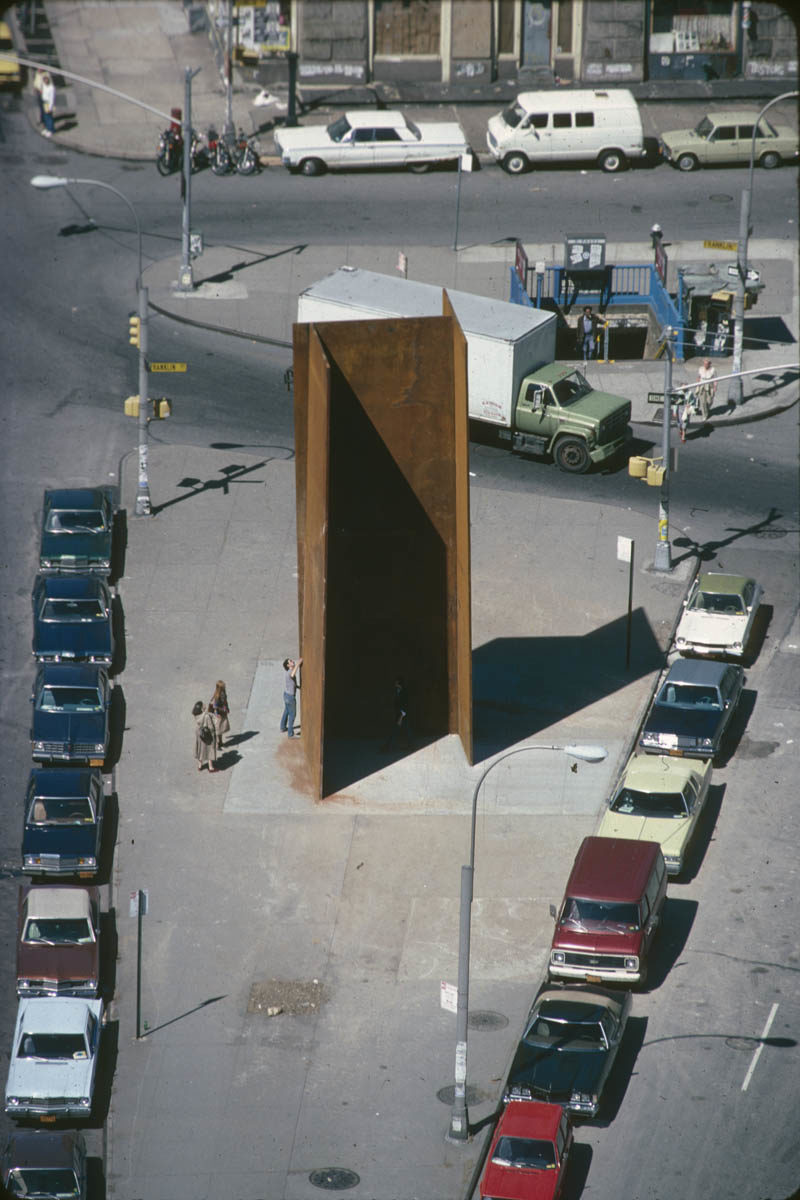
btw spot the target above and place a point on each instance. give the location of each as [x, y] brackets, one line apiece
[537, 43]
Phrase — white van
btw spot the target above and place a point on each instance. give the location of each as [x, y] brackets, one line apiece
[566, 126]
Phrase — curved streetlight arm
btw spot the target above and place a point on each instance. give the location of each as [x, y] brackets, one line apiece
[777, 100]
[459, 1116]
[54, 181]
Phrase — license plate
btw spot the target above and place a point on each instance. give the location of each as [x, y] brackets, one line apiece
[675, 753]
[85, 874]
[594, 979]
[95, 762]
[49, 1117]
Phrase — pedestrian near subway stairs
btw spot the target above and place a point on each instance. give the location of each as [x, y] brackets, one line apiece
[38, 83]
[48, 101]
[205, 737]
[291, 682]
[220, 709]
[706, 388]
[587, 332]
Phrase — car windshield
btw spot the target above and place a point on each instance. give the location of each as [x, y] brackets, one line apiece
[70, 699]
[52, 1045]
[83, 520]
[566, 1035]
[715, 602]
[58, 931]
[73, 610]
[513, 115]
[43, 1181]
[704, 127]
[649, 804]
[688, 695]
[65, 810]
[572, 388]
[337, 129]
[415, 129]
[524, 1152]
[582, 915]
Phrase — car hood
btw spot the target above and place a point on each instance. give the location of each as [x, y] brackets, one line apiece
[680, 135]
[69, 727]
[672, 833]
[57, 962]
[517, 1183]
[705, 628]
[82, 640]
[69, 841]
[556, 1074]
[684, 722]
[306, 138]
[598, 941]
[76, 545]
[40, 1079]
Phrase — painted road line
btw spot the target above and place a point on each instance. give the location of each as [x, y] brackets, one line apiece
[759, 1048]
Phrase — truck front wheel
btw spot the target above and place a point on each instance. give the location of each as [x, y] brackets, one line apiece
[571, 455]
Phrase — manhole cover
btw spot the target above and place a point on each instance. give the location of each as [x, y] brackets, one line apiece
[334, 1179]
[720, 197]
[448, 1094]
[487, 1020]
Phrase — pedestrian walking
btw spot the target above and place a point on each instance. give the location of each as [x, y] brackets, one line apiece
[38, 83]
[291, 682]
[683, 412]
[587, 331]
[219, 708]
[205, 737]
[706, 388]
[48, 96]
[401, 726]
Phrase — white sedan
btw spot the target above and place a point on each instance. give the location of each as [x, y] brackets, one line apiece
[659, 800]
[719, 614]
[370, 139]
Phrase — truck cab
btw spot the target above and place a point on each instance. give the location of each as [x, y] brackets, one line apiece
[559, 413]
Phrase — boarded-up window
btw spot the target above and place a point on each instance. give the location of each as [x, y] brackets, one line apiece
[403, 27]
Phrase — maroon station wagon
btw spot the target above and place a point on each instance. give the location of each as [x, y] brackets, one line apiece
[58, 941]
[610, 912]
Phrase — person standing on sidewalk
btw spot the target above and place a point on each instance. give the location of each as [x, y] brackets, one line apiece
[205, 737]
[48, 100]
[706, 388]
[291, 682]
[38, 83]
[220, 709]
[587, 331]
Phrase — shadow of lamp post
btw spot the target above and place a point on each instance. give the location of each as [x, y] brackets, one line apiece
[459, 1117]
[138, 331]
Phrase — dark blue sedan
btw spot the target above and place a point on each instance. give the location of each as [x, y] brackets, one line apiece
[63, 829]
[72, 620]
[71, 714]
[77, 531]
[692, 709]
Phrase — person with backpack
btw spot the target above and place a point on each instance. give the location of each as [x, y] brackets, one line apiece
[205, 737]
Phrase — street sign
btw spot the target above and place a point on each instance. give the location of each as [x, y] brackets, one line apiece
[167, 366]
[584, 252]
[658, 397]
[624, 549]
[133, 909]
[712, 245]
[448, 996]
[752, 275]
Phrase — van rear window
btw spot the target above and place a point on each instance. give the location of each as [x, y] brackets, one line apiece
[584, 120]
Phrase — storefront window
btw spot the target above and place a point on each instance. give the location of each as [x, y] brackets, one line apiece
[564, 27]
[505, 27]
[701, 27]
[407, 27]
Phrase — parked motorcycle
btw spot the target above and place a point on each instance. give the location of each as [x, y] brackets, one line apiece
[244, 155]
[219, 158]
[170, 152]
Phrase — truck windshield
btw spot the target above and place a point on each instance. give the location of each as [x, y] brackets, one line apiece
[571, 387]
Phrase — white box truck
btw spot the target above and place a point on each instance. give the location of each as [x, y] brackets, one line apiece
[533, 404]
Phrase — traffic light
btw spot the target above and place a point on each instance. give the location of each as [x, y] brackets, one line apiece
[131, 406]
[161, 408]
[135, 331]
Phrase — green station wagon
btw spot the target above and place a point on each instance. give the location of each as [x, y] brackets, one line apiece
[727, 137]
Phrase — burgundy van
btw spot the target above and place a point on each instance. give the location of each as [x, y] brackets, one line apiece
[610, 912]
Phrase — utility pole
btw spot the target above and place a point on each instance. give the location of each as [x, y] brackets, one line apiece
[185, 279]
[229, 132]
[143, 482]
[662, 560]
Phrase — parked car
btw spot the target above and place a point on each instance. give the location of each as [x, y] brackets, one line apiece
[58, 941]
[727, 137]
[72, 619]
[370, 139]
[63, 824]
[571, 1039]
[54, 1055]
[77, 530]
[41, 1165]
[71, 714]
[719, 615]
[529, 1153]
[610, 912]
[659, 800]
[10, 72]
[692, 709]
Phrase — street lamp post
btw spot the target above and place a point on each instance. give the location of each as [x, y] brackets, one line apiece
[143, 484]
[459, 1116]
[662, 559]
[735, 391]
